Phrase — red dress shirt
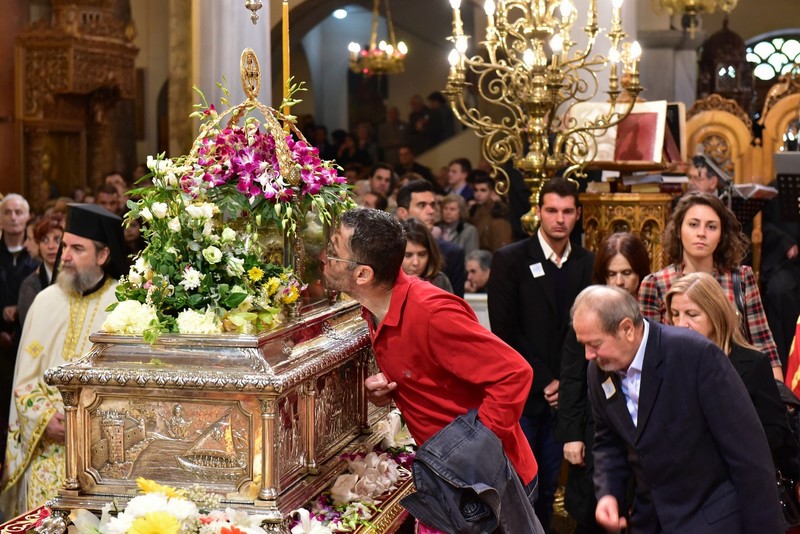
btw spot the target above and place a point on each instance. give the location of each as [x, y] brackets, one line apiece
[445, 363]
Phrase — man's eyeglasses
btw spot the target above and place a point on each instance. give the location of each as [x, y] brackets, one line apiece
[329, 255]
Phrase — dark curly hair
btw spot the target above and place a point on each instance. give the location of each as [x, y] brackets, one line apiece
[733, 244]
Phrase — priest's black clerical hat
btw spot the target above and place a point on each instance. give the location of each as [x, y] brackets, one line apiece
[98, 224]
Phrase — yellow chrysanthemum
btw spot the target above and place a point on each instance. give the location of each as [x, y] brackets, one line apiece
[291, 296]
[255, 274]
[149, 486]
[272, 286]
[155, 523]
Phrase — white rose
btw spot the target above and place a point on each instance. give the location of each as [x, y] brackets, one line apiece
[200, 211]
[174, 225]
[228, 234]
[159, 209]
[212, 254]
[208, 229]
[135, 278]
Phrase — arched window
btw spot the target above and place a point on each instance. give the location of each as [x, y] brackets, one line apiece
[772, 54]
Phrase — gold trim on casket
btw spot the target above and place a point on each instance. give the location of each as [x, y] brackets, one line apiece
[259, 419]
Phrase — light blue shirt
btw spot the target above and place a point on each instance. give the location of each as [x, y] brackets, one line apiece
[631, 379]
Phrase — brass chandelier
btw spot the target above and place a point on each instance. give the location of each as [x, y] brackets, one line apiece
[381, 57]
[528, 76]
[691, 9]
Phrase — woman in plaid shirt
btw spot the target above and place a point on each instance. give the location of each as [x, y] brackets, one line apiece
[703, 235]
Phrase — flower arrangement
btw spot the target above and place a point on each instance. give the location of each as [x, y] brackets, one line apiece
[208, 266]
[167, 510]
[355, 496]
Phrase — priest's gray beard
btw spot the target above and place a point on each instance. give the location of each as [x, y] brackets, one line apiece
[78, 282]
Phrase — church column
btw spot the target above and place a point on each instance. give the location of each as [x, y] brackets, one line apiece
[181, 96]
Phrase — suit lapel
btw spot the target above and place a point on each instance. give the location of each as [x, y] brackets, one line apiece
[617, 408]
[652, 375]
[536, 255]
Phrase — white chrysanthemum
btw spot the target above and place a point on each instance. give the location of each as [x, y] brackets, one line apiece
[174, 225]
[119, 525]
[130, 317]
[191, 278]
[159, 209]
[184, 510]
[194, 322]
[143, 504]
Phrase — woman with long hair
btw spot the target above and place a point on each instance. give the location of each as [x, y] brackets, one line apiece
[621, 261]
[47, 235]
[423, 258]
[698, 302]
[703, 235]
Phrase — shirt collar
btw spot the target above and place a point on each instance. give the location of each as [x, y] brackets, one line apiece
[399, 294]
[638, 360]
[549, 254]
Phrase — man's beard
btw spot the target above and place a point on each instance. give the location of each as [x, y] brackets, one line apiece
[78, 282]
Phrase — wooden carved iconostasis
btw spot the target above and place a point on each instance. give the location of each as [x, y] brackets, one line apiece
[76, 83]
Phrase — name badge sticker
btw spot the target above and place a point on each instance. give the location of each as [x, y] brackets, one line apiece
[608, 387]
[537, 270]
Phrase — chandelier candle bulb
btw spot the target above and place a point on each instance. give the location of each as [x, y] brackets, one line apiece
[531, 76]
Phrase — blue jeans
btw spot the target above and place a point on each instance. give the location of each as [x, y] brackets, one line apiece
[549, 455]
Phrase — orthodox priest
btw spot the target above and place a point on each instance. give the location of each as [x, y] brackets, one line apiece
[57, 330]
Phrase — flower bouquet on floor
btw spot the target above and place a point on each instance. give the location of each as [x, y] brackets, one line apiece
[212, 262]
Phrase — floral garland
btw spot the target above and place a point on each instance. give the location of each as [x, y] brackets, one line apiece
[208, 266]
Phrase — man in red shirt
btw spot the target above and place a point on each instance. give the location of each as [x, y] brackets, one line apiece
[437, 362]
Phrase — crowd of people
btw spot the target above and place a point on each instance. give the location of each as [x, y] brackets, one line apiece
[658, 389]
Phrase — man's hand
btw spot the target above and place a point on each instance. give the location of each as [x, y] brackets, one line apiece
[10, 314]
[379, 390]
[551, 393]
[574, 451]
[607, 514]
[55, 428]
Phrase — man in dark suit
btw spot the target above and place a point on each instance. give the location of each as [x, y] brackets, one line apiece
[671, 411]
[417, 199]
[531, 288]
